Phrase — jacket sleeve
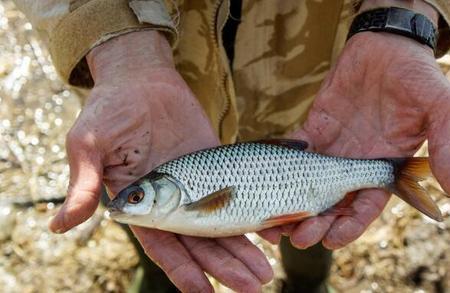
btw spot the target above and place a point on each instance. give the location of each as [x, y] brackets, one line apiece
[71, 28]
[443, 6]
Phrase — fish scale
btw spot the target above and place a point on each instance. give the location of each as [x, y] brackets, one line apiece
[270, 180]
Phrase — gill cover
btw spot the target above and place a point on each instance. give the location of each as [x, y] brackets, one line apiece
[167, 195]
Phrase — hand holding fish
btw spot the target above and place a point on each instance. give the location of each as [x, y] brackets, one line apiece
[371, 106]
[384, 98]
[368, 108]
[139, 115]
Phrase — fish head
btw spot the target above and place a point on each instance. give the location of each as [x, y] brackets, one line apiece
[146, 202]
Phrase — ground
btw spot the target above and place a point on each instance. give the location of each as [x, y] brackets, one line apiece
[402, 251]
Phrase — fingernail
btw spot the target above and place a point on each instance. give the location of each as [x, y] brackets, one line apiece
[300, 242]
[299, 245]
[329, 246]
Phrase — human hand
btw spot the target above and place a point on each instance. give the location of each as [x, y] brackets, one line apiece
[383, 98]
[140, 114]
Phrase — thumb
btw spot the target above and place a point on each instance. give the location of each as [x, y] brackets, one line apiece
[84, 190]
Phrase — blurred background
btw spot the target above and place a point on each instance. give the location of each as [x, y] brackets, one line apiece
[402, 251]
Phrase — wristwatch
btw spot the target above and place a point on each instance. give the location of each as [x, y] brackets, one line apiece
[397, 21]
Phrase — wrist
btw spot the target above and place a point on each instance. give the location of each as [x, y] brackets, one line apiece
[132, 54]
[418, 6]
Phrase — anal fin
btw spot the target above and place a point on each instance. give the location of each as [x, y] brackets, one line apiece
[286, 219]
[337, 211]
[342, 208]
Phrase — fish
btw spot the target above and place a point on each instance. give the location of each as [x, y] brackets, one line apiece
[247, 187]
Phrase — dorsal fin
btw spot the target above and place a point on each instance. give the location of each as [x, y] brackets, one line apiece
[212, 202]
[290, 143]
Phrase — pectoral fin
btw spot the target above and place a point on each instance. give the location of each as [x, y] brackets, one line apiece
[286, 219]
[212, 202]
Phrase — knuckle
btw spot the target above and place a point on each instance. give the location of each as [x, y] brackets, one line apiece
[200, 246]
[73, 141]
[151, 242]
[228, 261]
[344, 233]
[180, 269]
[167, 240]
[78, 138]
[359, 224]
[369, 207]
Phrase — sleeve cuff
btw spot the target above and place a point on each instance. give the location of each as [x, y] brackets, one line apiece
[96, 22]
[443, 7]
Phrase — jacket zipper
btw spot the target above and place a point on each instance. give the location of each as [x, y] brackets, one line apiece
[225, 67]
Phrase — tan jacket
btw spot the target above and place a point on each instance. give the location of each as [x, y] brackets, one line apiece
[283, 50]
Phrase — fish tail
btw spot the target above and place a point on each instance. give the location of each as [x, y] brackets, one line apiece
[408, 173]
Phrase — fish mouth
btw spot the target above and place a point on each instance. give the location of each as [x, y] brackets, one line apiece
[115, 207]
[114, 214]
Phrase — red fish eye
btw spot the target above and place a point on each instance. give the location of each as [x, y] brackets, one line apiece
[135, 197]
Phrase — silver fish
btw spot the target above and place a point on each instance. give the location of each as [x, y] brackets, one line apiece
[247, 187]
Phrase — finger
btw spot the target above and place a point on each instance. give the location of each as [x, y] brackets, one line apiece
[286, 230]
[220, 264]
[249, 255]
[367, 207]
[273, 235]
[311, 231]
[84, 189]
[439, 149]
[170, 254]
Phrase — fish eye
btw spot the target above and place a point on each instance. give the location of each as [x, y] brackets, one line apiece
[136, 196]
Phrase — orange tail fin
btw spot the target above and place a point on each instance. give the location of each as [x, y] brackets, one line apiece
[408, 173]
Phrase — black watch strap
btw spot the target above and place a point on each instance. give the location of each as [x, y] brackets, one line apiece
[398, 21]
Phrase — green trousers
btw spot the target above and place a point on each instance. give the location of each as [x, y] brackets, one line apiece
[306, 270]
